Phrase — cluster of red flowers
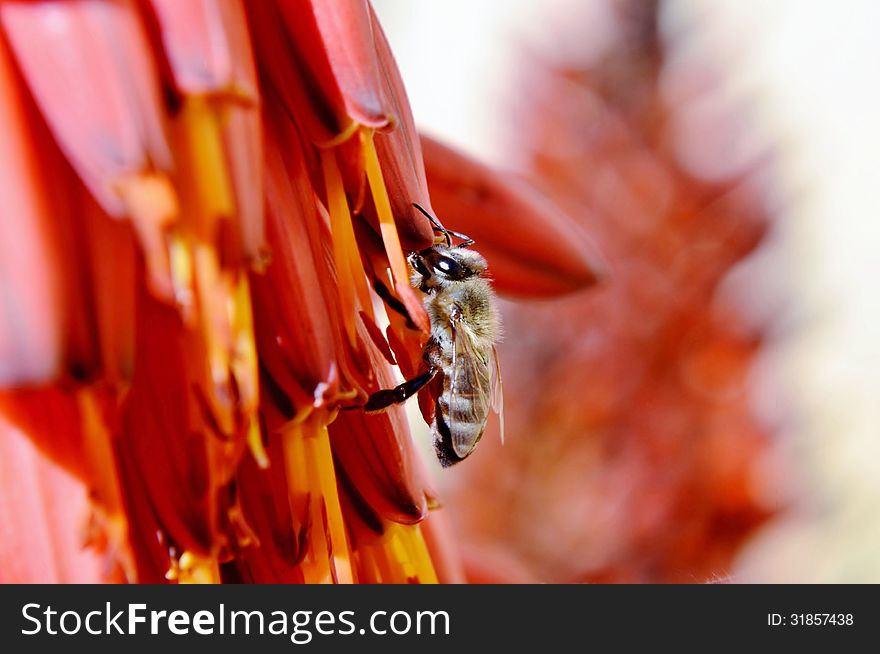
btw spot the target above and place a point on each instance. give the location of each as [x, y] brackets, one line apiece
[207, 206]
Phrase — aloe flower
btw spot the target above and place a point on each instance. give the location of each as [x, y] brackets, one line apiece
[207, 208]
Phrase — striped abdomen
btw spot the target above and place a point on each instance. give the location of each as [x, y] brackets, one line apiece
[461, 411]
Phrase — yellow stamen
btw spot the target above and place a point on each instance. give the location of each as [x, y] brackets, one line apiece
[244, 359]
[321, 462]
[399, 557]
[182, 276]
[339, 215]
[342, 137]
[210, 294]
[383, 208]
[255, 443]
[311, 480]
[414, 542]
[343, 230]
[193, 569]
[204, 162]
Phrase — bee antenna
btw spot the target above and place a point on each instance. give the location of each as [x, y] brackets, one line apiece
[436, 223]
[447, 233]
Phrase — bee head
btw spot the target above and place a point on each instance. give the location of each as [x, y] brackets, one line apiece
[440, 264]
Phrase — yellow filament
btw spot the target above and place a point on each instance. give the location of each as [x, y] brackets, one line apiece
[339, 215]
[245, 368]
[207, 161]
[342, 137]
[414, 542]
[383, 208]
[182, 276]
[214, 321]
[342, 229]
[400, 557]
[321, 461]
[299, 497]
[311, 480]
[193, 569]
[244, 353]
[255, 443]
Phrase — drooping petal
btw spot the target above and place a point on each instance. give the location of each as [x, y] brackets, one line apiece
[31, 325]
[533, 249]
[73, 429]
[170, 429]
[294, 326]
[293, 58]
[377, 455]
[348, 37]
[207, 46]
[43, 517]
[379, 462]
[90, 68]
[399, 152]
[280, 542]
[209, 53]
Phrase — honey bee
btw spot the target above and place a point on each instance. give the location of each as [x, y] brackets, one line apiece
[465, 328]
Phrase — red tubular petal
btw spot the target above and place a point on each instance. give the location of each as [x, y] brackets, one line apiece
[70, 429]
[50, 418]
[209, 53]
[244, 151]
[331, 69]
[294, 68]
[347, 37]
[377, 456]
[275, 557]
[331, 63]
[183, 456]
[294, 329]
[149, 545]
[66, 254]
[207, 45]
[400, 156]
[533, 249]
[43, 513]
[90, 68]
[30, 268]
[376, 453]
[443, 548]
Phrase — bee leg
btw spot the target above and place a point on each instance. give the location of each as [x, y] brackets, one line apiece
[383, 399]
[392, 302]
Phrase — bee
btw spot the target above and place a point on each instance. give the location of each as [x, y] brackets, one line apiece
[460, 356]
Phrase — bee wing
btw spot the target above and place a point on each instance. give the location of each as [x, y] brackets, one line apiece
[497, 390]
[470, 388]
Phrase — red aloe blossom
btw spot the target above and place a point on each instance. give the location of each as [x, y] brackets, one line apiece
[208, 206]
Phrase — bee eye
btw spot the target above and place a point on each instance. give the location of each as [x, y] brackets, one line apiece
[448, 267]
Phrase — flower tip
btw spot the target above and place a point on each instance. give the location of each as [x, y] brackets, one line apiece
[533, 248]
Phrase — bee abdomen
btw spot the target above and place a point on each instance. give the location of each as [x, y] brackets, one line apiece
[460, 414]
